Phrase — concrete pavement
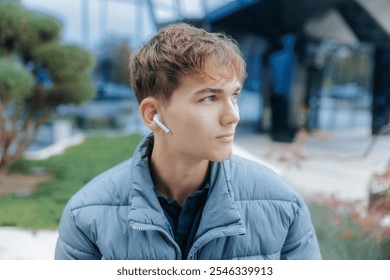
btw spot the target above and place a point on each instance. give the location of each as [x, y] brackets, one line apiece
[21, 244]
[330, 165]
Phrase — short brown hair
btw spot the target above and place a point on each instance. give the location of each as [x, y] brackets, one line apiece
[177, 50]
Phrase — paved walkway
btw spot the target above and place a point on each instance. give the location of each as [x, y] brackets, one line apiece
[21, 244]
[316, 166]
[327, 165]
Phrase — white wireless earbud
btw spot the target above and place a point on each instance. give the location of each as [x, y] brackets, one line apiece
[160, 124]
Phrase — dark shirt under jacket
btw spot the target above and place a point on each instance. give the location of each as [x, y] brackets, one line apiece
[185, 220]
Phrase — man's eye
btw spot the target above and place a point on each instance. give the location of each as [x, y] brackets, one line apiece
[208, 99]
[235, 96]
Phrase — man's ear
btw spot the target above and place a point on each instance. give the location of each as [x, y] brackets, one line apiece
[148, 108]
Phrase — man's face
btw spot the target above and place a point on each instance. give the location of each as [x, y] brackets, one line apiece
[202, 117]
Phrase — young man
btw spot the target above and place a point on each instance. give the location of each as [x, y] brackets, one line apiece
[183, 195]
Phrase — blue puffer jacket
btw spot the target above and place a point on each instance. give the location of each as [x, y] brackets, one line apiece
[250, 214]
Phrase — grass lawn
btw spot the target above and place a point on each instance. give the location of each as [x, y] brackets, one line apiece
[74, 168]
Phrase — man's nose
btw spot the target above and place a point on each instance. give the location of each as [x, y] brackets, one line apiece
[231, 113]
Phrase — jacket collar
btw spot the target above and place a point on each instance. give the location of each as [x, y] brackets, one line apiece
[144, 205]
[220, 207]
[145, 208]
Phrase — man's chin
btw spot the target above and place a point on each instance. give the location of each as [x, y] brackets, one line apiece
[223, 157]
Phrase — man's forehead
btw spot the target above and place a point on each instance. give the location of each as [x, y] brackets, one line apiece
[214, 78]
[197, 84]
[214, 75]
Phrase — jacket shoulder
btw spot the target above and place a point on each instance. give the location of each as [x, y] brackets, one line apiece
[254, 181]
[111, 187]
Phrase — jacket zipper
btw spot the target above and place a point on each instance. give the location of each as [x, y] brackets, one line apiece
[147, 227]
[199, 243]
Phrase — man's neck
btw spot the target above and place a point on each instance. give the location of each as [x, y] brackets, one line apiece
[177, 177]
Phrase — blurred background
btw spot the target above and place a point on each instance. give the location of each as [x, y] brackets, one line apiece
[315, 106]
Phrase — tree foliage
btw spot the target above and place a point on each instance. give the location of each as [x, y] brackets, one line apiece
[37, 73]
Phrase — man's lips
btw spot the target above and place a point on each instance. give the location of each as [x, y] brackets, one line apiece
[228, 137]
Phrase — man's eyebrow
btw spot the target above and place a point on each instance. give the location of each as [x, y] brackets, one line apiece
[214, 90]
